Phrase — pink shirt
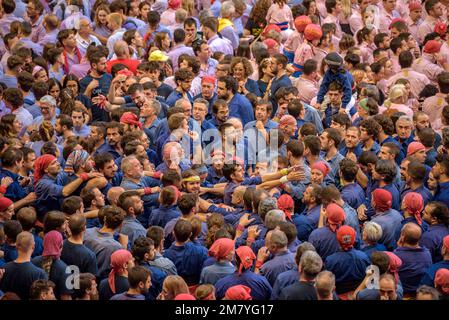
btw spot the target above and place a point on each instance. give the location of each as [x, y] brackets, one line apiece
[425, 66]
[303, 53]
[401, 108]
[413, 27]
[168, 17]
[444, 51]
[386, 18]
[308, 89]
[417, 80]
[355, 21]
[293, 41]
[426, 27]
[321, 6]
[276, 14]
[395, 64]
[367, 52]
[433, 106]
[333, 19]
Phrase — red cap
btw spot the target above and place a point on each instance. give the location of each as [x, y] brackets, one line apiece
[239, 292]
[440, 28]
[270, 43]
[321, 165]
[442, 280]
[394, 21]
[5, 203]
[431, 46]
[414, 5]
[415, 146]
[301, 23]
[382, 199]
[209, 79]
[346, 237]
[335, 216]
[313, 32]
[271, 27]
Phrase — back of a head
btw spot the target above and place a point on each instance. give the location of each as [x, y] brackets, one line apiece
[325, 284]
[411, 233]
[24, 242]
[310, 265]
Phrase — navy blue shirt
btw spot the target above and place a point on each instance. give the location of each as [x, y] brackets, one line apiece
[415, 262]
[57, 274]
[157, 278]
[98, 114]
[175, 95]
[260, 287]
[432, 239]
[277, 83]
[428, 278]
[348, 267]
[299, 290]
[188, 260]
[325, 241]
[161, 216]
[104, 290]
[79, 255]
[353, 195]
[49, 195]
[442, 193]
[14, 192]
[19, 277]
[303, 226]
[283, 280]
[240, 107]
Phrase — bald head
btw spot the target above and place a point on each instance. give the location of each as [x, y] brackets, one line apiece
[236, 123]
[121, 50]
[411, 233]
[25, 242]
[113, 194]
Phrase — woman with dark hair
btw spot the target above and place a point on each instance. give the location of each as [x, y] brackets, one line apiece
[241, 69]
[312, 11]
[72, 82]
[50, 261]
[144, 8]
[54, 88]
[257, 19]
[10, 126]
[162, 42]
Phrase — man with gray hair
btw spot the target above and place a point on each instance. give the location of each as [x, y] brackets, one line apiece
[372, 232]
[325, 285]
[228, 31]
[283, 260]
[404, 129]
[309, 267]
[47, 104]
[84, 36]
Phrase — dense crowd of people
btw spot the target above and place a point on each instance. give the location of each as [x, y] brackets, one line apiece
[224, 150]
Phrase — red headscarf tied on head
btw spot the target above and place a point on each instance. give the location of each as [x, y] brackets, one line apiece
[301, 23]
[346, 237]
[286, 204]
[442, 280]
[118, 259]
[239, 292]
[40, 165]
[321, 165]
[221, 248]
[394, 264]
[52, 244]
[246, 256]
[382, 200]
[414, 203]
[130, 118]
[335, 216]
[208, 79]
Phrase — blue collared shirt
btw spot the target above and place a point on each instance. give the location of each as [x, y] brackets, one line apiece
[133, 229]
[432, 239]
[389, 221]
[260, 287]
[162, 215]
[14, 192]
[283, 280]
[442, 193]
[325, 241]
[216, 271]
[175, 96]
[348, 267]
[429, 276]
[240, 107]
[281, 262]
[415, 262]
[353, 195]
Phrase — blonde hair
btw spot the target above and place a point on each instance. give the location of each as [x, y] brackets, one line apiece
[397, 91]
[346, 6]
[116, 18]
[189, 6]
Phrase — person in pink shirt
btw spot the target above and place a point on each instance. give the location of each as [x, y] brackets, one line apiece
[296, 38]
[414, 19]
[333, 8]
[168, 16]
[281, 15]
[365, 39]
[417, 80]
[397, 99]
[306, 51]
[355, 20]
[427, 63]
[387, 14]
[321, 6]
[307, 83]
[433, 106]
[434, 11]
[397, 46]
